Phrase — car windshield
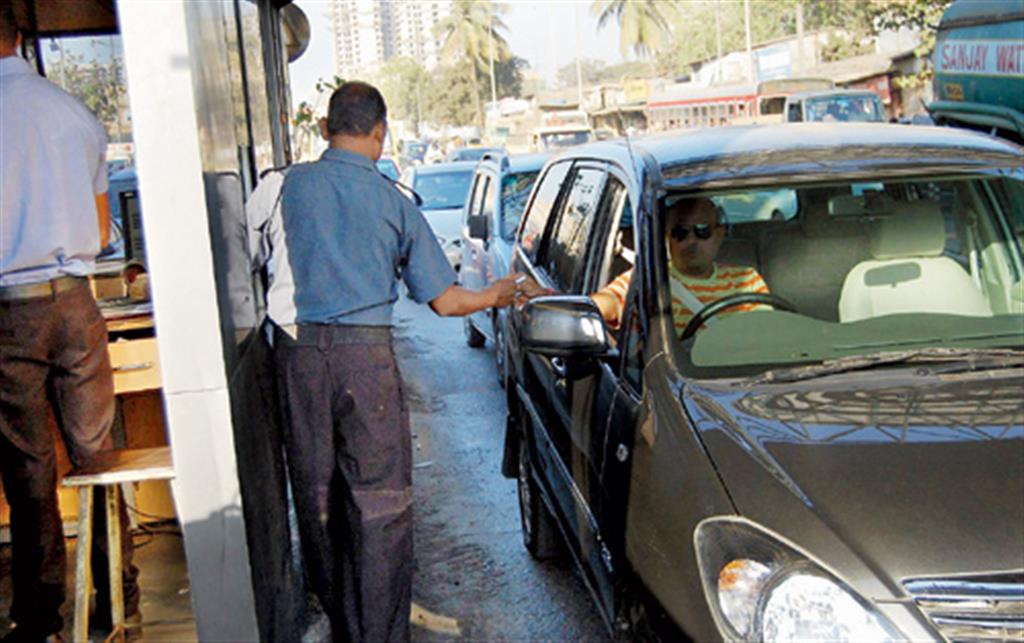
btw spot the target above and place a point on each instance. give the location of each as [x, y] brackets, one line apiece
[515, 189]
[442, 190]
[470, 153]
[867, 267]
[388, 168]
[844, 108]
[564, 139]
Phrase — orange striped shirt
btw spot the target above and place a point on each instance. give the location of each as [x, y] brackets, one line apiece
[724, 281]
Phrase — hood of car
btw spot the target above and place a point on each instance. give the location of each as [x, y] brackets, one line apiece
[445, 222]
[918, 476]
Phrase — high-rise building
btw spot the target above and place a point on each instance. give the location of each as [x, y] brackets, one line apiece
[369, 32]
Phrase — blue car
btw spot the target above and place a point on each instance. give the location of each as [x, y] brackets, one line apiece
[501, 187]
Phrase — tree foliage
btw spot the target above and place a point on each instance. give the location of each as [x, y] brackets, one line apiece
[98, 84]
[405, 85]
[472, 32]
[644, 25]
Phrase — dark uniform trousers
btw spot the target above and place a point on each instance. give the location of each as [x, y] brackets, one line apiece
[53, 351]
[349, 455]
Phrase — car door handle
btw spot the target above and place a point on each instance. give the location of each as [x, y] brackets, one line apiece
[558, 366]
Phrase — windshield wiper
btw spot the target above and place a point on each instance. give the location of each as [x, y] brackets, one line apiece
[949, 360]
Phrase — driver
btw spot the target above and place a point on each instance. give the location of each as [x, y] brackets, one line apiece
[694, 233]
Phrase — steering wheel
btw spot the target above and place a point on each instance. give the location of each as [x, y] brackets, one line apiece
[732, 301]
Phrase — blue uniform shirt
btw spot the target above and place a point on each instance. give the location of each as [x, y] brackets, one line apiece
[52, 152]
[349, 235]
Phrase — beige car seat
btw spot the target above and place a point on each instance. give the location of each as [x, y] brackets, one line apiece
[908, 273]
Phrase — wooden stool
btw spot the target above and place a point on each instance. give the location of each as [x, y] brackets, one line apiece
[109, 469]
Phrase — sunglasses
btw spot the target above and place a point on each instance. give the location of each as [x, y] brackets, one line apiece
[702, 231]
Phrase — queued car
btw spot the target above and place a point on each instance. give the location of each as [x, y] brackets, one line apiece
[837, 105]
[471, 153]
[388, 168]
[443, 188]
[845, 462]
[501, 186]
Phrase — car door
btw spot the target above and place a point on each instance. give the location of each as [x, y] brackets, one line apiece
[566, 410]
[600, 412]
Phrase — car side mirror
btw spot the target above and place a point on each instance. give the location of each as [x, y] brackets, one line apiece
[563, 326]
[478, 224]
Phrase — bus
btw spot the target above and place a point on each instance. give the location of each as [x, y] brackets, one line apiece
[686, 106]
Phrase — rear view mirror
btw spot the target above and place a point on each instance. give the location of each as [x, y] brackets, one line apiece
[477, 224]
[563, 325]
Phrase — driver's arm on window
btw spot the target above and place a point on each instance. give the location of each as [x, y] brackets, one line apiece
[611, 299]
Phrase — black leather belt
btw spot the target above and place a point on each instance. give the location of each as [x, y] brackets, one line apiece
[40, 289]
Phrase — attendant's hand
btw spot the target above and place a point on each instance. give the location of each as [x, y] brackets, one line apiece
[528, 288]
[505, 290]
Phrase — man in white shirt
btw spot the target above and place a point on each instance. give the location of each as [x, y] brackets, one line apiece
[54, 218]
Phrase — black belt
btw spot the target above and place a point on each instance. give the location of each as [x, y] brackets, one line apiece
[328, 334]
[40, 288]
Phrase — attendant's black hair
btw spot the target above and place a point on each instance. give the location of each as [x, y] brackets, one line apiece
[355, 109]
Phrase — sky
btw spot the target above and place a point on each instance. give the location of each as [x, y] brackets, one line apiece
[540, 32]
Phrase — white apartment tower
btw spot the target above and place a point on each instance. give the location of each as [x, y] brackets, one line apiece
[368, 32]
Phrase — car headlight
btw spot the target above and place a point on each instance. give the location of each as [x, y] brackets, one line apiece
[763, 589]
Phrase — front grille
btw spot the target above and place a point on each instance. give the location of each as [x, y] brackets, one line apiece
[973, 608]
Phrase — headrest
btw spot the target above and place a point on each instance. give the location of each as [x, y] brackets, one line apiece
[916, 230]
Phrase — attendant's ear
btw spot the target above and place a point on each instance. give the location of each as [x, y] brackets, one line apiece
[323, 128]
[380, 132]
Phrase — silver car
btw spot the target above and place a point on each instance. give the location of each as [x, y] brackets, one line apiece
[443, 187]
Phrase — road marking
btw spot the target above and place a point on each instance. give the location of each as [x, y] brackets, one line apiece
[434, 622]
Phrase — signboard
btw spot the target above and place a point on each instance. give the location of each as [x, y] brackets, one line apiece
[981, 57]
[773, 62]
[634, 91]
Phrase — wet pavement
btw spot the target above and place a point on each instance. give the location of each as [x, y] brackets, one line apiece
[473, 574]
[474, 579]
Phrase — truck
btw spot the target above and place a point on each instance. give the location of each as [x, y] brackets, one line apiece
[979, 68]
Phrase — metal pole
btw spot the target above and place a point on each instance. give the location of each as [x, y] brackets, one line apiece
[750, 47]
[718, 38]
[579, 69]
[801, 56]
[490, 43]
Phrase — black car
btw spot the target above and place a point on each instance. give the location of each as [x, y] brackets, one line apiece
[843, 462]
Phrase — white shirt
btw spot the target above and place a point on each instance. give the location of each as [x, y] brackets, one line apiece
[53, 161]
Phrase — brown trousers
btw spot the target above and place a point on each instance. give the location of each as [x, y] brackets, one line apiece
[349, 455]
[53, 355]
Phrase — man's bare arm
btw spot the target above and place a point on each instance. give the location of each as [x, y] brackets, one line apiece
[457, 301]
[103, 214]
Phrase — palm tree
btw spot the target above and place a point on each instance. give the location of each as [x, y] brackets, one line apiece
[467, 34]
[643, 24]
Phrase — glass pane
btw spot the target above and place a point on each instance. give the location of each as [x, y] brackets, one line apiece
[565, 254]
[252, 46]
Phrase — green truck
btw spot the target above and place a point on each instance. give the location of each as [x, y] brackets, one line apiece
[979, 67]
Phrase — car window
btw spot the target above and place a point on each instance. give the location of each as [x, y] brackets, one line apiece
[441, 190]
[487, 201]
[614, 252]
[540, 208]
[873, 265]
[565, 251]
[476, 197]
[515, 190]
[757, 205]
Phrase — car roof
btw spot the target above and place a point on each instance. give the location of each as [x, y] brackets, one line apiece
[834, 92]
[805, 151]
[518, 162]
[450, 166]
